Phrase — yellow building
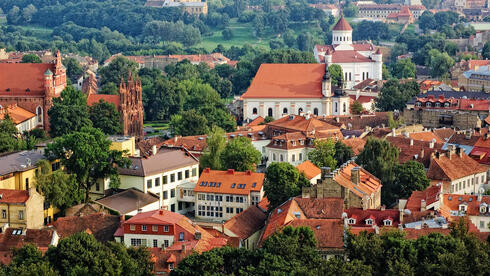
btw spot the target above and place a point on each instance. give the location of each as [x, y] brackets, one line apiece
[21, 209]
[18, 170]
[123, 143]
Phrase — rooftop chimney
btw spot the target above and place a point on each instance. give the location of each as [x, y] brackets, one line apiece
[355, 175]
[423, 205]
[431, 144]
[160, 212]
[325, 172]
[231, 171]
[459, 151]
[411, 142]
[154, 150]
[197, 235]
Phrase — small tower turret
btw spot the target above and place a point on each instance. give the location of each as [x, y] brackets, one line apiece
[327, 83]
[328, 57]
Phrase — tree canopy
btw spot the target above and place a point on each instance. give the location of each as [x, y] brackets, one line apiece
[105, 117]
[239, 154]
[395, 95]
[323, 154]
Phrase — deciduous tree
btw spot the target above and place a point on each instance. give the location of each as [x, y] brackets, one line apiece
[211, 156]
[323, 154]
[105, 117]
[239, 154]
[282, 181]
[31, 58]
[189, 123]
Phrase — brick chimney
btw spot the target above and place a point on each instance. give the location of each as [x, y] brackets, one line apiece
[355, 175]
[231, 171]
[325, 172]
[459, 152]
[197, 235]
[423, 205]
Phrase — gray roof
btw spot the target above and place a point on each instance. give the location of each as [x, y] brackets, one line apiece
[20, 161]
[165, 160]
[127, 201]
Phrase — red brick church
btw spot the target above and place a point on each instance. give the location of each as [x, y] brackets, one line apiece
[129, 103]
[32, 86]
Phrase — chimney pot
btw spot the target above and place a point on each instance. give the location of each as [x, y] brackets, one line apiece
[154, 150]
[356, 175]
[160, 212]
[231, 171]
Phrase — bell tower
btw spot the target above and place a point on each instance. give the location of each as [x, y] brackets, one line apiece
[326, 83]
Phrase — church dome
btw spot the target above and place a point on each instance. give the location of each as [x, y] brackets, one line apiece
[342, 25]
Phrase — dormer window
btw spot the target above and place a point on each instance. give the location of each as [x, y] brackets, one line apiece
[438, 104]
[388, 222]
[301, 142]
[428, 104]
[351, 221]
[419, 104]
[463, 207]
[293, 142]
[446, 104]
[369, 222]
[483, 208]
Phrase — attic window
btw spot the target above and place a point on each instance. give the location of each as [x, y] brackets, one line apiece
[369, 222]
[388, 222]
[351, 221]
[254, 184]
[218, 185]
[8, 89]
[483, 208]
[28, 90]
[233, 185]
[450, 198]
[293, 142]
[463, 207]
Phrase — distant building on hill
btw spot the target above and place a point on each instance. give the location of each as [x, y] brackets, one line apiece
[190, 6]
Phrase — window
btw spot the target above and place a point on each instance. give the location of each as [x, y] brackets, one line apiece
[229, 210]
[482, 224]
[418, 104]
[336, 107]
[164, 179]
[387, 222]
[157, 182]
[300, 156]
[293, 158]
[4, 214]
[209, 197]
[179, 176]
[138, 242]
[97, 186]
[187, 172]
[218, 198]
[165, 194]
[172, 207]
[171, 266]
[194, 172]
[201, 197]
[427, 104]
[39, 113]
[172, 193]
[281, 157]
[369, 222]
[165, 228]
[172, 178]
[143, 228]
[148, 183]
[27, 184]
[273, 157]
[180, 206]
[155, 243]
[165, 242]
[300, 110]
[345, 107]
[132, 227]
[445, 104]
[315, 111]
[181, 236]
[438, 104]
[352, 221]
[21, 215]
[254, 110]
[462, 207]
[284, 111]
[269, 112]
[154, 228]
[350, 76]
[239, 210]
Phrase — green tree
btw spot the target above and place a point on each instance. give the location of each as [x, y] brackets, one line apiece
[386, 73]
[380, 158]
[28, 12]
[215, 145]
[105, 117]
[69, 113]
[305, 42]
[9, 140]
[117, 70]
[336, 74]
[227, 34]
[394, 95]
[73, 69]
[282, 181]
[58, 188]
[403, 69]
[357, 107]
[86, 154]
[486, 50]
[323, 154]
[440, 63]
[410, 177]
[240, 155]
[134, 260]
[82, 254]
[31, 58]
[427, 21]
[14, 16]
[189, 123]
[338, 266]
[343, 153]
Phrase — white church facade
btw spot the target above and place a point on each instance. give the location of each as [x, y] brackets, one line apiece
[283, 89]
[359, 61]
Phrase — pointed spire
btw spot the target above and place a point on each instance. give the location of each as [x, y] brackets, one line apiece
[58, 59]
[342, 24]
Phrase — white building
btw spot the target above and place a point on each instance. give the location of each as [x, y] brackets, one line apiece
[283, 89]
[160, 174]
[359, 61]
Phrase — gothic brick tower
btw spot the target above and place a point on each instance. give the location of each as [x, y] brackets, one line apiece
[131, 107]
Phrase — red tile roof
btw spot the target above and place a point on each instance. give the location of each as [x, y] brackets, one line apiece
[285, 141]
[247, 222]
[300, 123]
[257, 121]
[329, 233]
[229, 182]
[309, 169]
[420, 150]
[472, 64]
[378, 216]
[369, 184]
[451, 202]
[328, 208]
[342, 25]
[426, 136]
[16, 113]
[430, 195]
[95, 98]
[287, 81]
[356, 144]
[444, 133]
[13, 196]
[349, 56]
[21, 76]
[41, 238]
[456, 167]
[481, 155]
[101, 225]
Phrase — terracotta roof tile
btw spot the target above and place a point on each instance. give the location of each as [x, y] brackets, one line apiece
[378, 216]
[329, 233]
[342, 25]
[368, 183]
[21, 76]
[247, 222]
[426, 136]
[257, 121]
[451, 202]
[41, 238]
[95, 98]
[300, 123]
[13, 196]
[16, 113]
[101, 225]
[356, 144]
[309, 169]
[229, 182]
[444, 133]
[360, 121]
[420, 150]
[456, 167]
[430, 195]
[321, 208]
[287, 81]
[128, 201]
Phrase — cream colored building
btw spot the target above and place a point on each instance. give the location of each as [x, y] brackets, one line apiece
[476, 80]
[220, 195]
[21, 209]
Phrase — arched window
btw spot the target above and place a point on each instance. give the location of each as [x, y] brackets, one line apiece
[345, 107]
[315, 111]
[284, 111]
[269, 112]
[273, 157]
[254, 111]
[446, 104]
[427, 104]
[438, 104]
[300, 110]
[281, 158]
[39, 114]
[336, 108]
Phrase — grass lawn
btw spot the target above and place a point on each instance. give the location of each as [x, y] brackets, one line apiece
[39, 32]
[156, 125]
[3, 19]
